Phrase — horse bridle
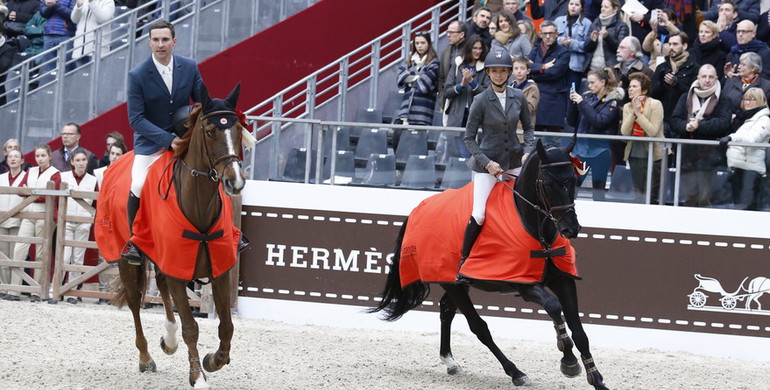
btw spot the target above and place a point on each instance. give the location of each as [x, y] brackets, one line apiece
[212, 171]
[547, 210]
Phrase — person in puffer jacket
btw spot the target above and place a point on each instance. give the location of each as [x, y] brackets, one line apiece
[750, 125]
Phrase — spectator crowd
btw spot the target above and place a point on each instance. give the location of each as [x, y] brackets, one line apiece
[653, 69]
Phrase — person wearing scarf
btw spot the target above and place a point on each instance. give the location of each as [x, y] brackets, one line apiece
[419, 79]
[508, 36]
[748, 44]
[708, 48]
[750, 125]
[643, 117]
[674, 76]
[748, 77]
[661, 28]
[702, 114]
[606, 33]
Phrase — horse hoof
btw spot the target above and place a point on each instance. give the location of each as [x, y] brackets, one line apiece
[151, 367]
[208, 362]
[522, 381]
[453, 370]
[166, 349]
[571, 370]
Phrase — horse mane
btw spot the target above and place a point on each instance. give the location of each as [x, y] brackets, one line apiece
[184, 145]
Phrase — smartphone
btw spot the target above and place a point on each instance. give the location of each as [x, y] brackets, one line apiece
[573, 86]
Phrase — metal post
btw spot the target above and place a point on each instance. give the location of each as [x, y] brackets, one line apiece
[225, 25]
[343, 89]
[21, 119]
[277, 113]
[677, 176]
[97, 58]
[375, 74]
[61, 54]
[196, 27]
[648, 187]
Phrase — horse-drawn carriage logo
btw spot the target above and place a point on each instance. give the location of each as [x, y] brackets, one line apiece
[729, 300]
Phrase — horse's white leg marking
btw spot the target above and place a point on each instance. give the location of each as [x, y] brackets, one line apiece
[170, 337]
[201, 383]
[239, 182]
[452, 367]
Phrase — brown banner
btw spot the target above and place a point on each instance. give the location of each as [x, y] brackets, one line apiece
[656, 280]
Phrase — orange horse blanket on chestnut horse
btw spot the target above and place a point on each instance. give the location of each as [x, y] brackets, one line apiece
[161, 231]
[503, 252]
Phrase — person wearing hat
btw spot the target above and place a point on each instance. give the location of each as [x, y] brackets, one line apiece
[498, 110]
[157, 88]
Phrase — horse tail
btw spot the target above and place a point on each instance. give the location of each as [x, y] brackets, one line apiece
[121, 287]
[397, 300]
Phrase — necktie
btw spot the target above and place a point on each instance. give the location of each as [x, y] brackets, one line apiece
[166, 75]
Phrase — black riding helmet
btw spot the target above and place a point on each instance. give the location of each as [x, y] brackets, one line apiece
[179, 120]
[498, 58]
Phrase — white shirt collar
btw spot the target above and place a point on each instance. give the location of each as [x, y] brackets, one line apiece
[161, 67]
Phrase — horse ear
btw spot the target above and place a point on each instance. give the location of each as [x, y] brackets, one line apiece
[541, 150]
[232, 98]
[204, 95]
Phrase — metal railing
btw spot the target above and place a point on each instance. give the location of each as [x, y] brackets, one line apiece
[331, 87]
[320, 169]
[45, 91]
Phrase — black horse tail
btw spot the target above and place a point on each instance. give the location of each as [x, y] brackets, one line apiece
[397, 300]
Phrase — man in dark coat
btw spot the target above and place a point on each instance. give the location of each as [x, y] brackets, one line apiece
[455, 34]
[479, 25]
[549, 10]
[550, 62]
[749, 9]
[704, 114]
[629, 56]
[745, 35]
[674, 76]
[70, 139]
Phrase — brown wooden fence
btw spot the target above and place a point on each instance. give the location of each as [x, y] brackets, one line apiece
[58, 289]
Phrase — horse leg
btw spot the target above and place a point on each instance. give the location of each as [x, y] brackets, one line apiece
[222, 292]
[178, 290]
[535, 293]
[130, 277]
[168, 342]
[447, 313]
[459, 295]
[566, 291]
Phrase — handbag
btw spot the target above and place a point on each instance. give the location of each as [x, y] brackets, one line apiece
[13, 27]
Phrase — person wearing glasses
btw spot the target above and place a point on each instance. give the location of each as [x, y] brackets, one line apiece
[745, 34]
[749, 69]
[750, 125]
[70, 139]
[455, 34]
[418, 76]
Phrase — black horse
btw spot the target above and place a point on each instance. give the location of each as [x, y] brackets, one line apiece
[544, 196]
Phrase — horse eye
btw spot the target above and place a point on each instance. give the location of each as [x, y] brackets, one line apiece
[210, 133]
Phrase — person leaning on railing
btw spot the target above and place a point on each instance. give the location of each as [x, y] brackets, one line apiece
[10, 227]
[37, 177]
[750, 125]
[643, 117]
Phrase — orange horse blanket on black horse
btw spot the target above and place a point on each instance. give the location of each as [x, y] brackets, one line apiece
[161, 231]
[430, 251]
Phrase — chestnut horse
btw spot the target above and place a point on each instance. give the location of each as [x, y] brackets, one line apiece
[543, 195]
[207, 161]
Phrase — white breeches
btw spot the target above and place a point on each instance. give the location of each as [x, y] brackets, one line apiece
[139, 170]
[483, 183]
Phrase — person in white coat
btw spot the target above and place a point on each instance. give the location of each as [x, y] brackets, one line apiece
[750, 125]
[88, 15]
[10, 227]
[77, 179]
[117, 149]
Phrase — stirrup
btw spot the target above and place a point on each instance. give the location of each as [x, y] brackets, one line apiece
[131, 255]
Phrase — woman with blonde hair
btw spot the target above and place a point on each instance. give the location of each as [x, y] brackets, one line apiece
[643, 117]
[37, 177]
[708, 48]
[750, 125]
[526, 27]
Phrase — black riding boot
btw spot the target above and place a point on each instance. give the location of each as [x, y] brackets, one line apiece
[472, 231]
[131, 254]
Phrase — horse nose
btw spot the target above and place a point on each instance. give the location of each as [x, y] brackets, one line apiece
[570, 232]
[233, 186]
